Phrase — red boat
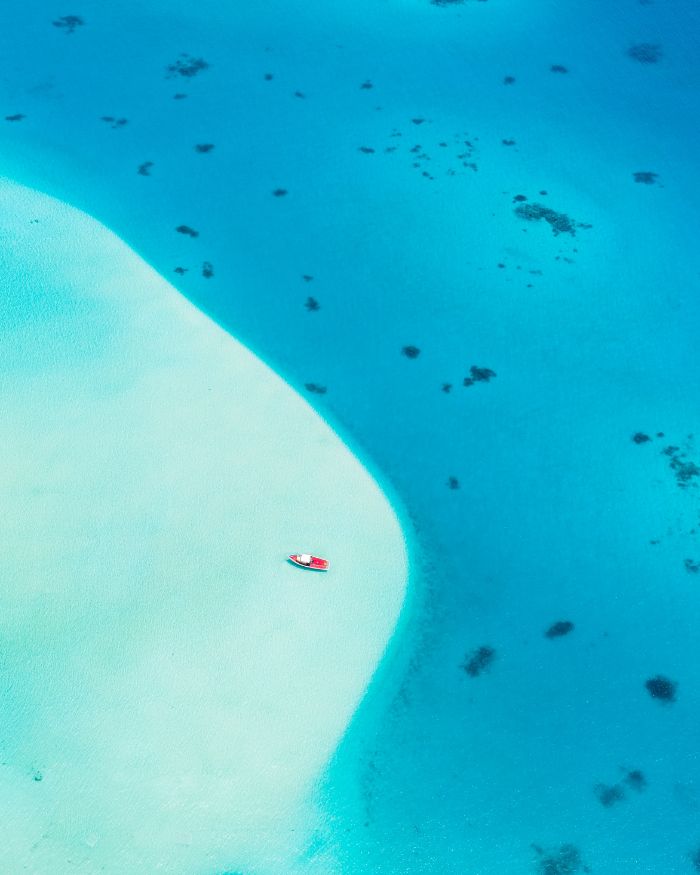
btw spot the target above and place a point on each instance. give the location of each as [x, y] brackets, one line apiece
[313, 563]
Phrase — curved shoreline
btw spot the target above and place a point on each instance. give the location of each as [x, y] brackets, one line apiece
[145, 469]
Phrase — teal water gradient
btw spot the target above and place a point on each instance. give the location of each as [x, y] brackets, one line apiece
[591, 337]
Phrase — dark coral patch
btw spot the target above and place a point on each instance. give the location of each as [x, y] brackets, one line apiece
[645, 53]
[695, 860]
[367, 150]
[315, 388]
[187, 231]
[640, 438]
[645, 177]
[609, 794]
[17, 117]
[559, 629]
[279, 192]
[207, 270]
[452, 483]
[181, 270]
[691, 566]
[366, 85]
[114, 122]
[662, 688]
[186, 66]
[636, 780]
[685, 470]
[564, 861]
[203, 147]
[447, 388]
[307, 277]
[312, 305]
[560, 223]
[411, 352]
[508, 142]
[145, 168]
[479, 660]
[68, 23]
[558, 68]
[478, 375]
[509, 80]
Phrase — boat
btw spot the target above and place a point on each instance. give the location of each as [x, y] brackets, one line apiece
[312, 563]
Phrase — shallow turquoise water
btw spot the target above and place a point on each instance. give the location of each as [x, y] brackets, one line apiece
[591, 337]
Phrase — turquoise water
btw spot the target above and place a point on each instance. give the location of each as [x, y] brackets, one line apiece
[556, 513]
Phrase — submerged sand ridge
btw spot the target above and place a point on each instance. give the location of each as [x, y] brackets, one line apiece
[171, 688]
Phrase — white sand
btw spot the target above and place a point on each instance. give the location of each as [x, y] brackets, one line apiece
[175, 685]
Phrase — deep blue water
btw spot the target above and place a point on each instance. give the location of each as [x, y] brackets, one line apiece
[531, 503]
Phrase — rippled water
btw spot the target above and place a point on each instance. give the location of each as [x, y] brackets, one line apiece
[466, 230]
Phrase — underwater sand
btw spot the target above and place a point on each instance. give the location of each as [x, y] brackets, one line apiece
[172, 688]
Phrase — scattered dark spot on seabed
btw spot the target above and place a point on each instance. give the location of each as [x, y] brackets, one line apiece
[204, 147]
[145, 168]
[508, 142]
[366, 85]
[279, 192]
[68, 23]
[519, 199]
[479, 660]
[695, 860]
[509, 80]
[609, 794]
[691, 566]
[181, 270]
[179, 96]
[661, 687]
[366, 149]
[559, 222]
[559, 629]
[17, 117]
[185, 229]
[636, 780]
[478, 375]
[207, 270]
[557, 68]
[268, 77]
[114, 122]
[646, 177]
[186, 66]
[685, 470]
[447, 387]
[315, 388]
[564, 861]
[312, 305]
[640, 438]
[645, 53]
[306, 277]
[453, 483]
[411, 352]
